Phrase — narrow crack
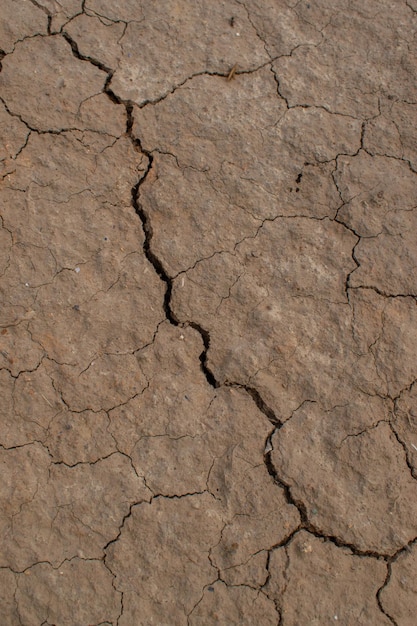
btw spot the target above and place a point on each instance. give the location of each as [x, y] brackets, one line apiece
[380, 590]
[382, 293]
[259, 401]
[404, 447]
[76, 52]
[205, 335]
[300, 506]
[149, 254]
[119, 532]
[354, 259]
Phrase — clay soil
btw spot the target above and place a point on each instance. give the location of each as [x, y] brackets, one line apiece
[208, 322]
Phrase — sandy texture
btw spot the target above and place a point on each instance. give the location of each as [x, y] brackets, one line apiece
[208, 313]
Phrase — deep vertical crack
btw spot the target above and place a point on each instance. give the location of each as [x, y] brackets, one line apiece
[144, 218]
[378, 595]
[405, 450]
[300, 506]
[141, 213]
[152, 258]
[205, 335]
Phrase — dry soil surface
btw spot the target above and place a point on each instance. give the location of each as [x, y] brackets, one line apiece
[208, 340]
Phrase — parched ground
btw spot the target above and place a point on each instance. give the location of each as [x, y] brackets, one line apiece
[208, 323]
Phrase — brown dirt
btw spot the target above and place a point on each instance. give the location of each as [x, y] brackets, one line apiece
[208, 326]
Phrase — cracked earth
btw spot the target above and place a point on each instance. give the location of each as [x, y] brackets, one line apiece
[208, 321]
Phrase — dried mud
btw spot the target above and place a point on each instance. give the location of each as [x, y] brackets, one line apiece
[208, 325]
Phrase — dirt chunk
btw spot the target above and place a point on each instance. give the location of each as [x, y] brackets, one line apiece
[54, 512]
[48, 96]
[399, 595]
[344, 590]
[19, 20]
[172, 41]
[77, 592]
[161, 544]
[362, 505]
[230, 175]
[351, 64]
